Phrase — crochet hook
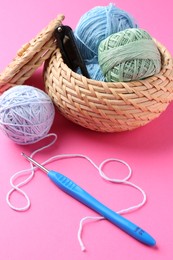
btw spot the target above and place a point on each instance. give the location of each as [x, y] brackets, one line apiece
[69, 49]
[71, 188]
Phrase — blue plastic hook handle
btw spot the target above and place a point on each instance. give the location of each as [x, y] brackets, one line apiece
[71, 188]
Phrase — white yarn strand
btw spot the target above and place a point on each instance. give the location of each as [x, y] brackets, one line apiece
[125, 181]
[28, 179]
[79, 234]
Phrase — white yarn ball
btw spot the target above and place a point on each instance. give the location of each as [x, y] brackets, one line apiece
[26, 114]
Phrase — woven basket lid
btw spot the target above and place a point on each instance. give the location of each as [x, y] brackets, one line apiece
[30, 57]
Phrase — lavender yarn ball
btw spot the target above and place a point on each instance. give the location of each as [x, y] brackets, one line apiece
[26, 114]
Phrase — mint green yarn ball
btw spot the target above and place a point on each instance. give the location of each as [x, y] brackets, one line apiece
[129, 55]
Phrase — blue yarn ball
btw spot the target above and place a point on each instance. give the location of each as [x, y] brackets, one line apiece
[97, 24]
[94, 70]
[93, 27]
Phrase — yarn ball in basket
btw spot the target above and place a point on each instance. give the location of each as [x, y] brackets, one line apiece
[26, 114]
[94, 71]
[93, 27]
[129, 55]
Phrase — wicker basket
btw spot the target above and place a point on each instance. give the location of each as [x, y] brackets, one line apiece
[100, 106]
[109, 107]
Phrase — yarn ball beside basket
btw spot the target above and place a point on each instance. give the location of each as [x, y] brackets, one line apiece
[129, 55]
[109, 106]
[26, 114]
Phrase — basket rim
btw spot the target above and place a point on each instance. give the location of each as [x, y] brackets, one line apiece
[167, 64]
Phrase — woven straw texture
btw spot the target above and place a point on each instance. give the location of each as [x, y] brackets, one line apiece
[30, 57]
[97, 105]
[109, 107]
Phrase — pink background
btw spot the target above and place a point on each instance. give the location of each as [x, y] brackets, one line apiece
[48, 230]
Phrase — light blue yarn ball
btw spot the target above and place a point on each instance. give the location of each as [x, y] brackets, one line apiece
[93, 69]
[26, 114]
[95, 72]
[96, 25]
